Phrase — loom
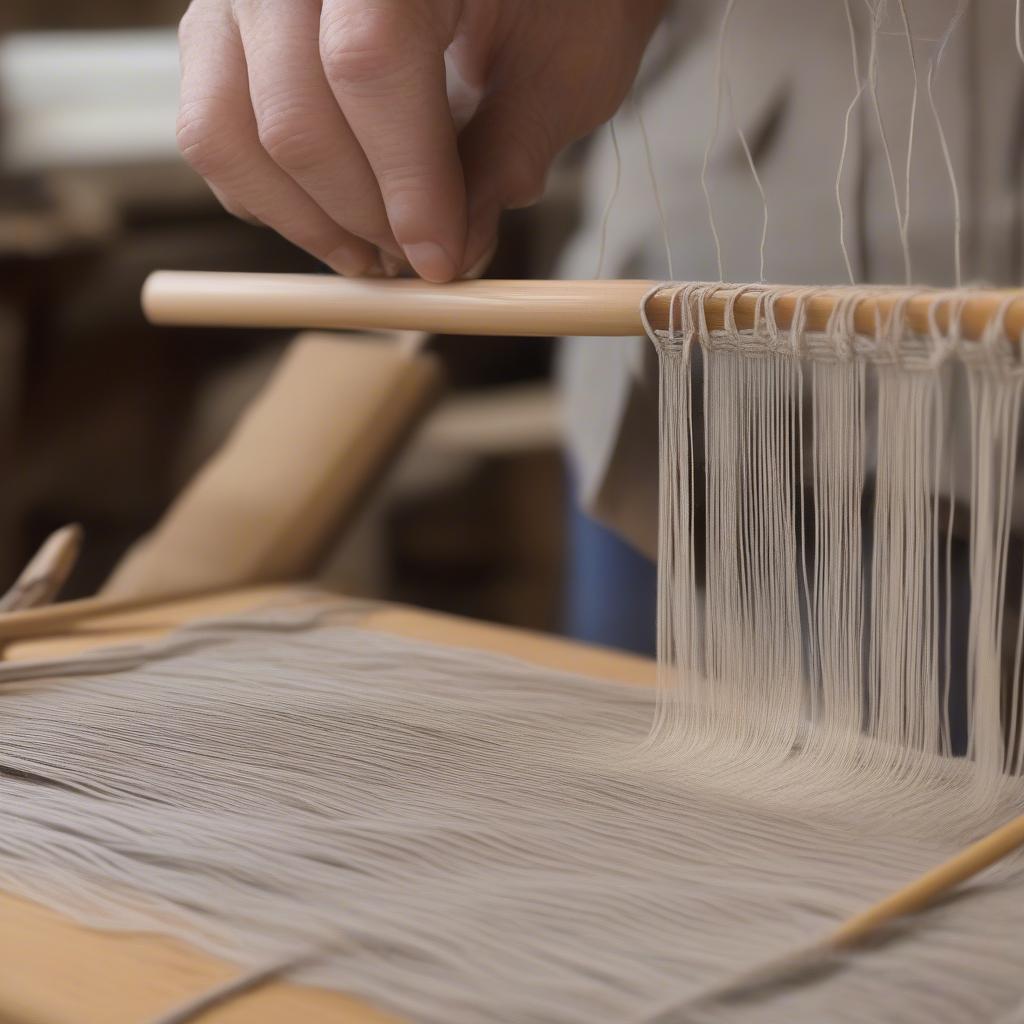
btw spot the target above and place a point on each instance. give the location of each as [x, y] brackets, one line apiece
[542, 308]
[332, 810]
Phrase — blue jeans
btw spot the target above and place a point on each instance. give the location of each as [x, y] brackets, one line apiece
[611, 589]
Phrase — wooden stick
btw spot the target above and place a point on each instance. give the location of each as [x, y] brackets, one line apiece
[921, 893]
[67, 616]
[45, 575]
[530, 308]
[932, 885]
[517, 308]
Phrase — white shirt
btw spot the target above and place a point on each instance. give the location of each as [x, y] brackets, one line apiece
[790, 72]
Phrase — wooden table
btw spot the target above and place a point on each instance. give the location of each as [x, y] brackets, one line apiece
[53, 971]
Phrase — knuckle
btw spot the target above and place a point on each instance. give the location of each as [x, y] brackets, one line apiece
[201, 138]
[359, 44]
[289, 141]
[408, 197]
[405, 185]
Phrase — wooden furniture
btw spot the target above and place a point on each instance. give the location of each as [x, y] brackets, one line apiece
[293, 471]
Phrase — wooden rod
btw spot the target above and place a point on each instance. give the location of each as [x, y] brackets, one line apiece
[68, 616]
[517, 308]
[45, 575]
[932, 885]
[918, 895]
[527, 308]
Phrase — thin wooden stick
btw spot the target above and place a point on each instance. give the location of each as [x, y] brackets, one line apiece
[921, 893]
[931, 886]
[42, 579]
[517, 308]
[68, 616]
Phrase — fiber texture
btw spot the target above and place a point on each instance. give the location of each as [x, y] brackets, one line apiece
[462, 837]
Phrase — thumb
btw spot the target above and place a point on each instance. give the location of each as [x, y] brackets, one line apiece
[507, 151]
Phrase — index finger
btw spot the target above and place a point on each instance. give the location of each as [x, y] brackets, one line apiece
[384, 60]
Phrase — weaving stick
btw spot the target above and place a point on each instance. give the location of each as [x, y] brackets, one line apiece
[925, 890]
[94, 619]
[521, 308]
[47, 572]
[932, 885]
[56, 619]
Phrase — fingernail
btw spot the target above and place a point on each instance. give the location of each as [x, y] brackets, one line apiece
[430, 261]
[345, 261]
[480, 248]
[392, 265]
[525, 204]
[477, 269]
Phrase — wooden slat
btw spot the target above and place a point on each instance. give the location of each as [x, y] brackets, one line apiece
[292, 473]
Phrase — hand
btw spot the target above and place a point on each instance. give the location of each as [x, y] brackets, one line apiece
[330, 121]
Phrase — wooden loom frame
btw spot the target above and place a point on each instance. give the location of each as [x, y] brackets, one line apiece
[602, 308]
[607, 308]
[518, 308]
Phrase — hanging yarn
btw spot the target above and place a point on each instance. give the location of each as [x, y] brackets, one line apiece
[832, 634]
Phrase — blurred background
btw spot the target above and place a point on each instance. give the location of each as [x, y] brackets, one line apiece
[103, 418]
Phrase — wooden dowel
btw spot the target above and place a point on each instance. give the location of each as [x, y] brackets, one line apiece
[46, 573]
[88, 614]
[931, 886]
[67, 616]
[527, 308]
[917, 896]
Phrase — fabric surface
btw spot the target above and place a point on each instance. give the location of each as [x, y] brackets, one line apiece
[458, 836]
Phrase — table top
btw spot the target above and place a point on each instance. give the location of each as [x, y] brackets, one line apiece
[57, 972]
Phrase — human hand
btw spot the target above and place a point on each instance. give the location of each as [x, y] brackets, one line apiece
[330, 120]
